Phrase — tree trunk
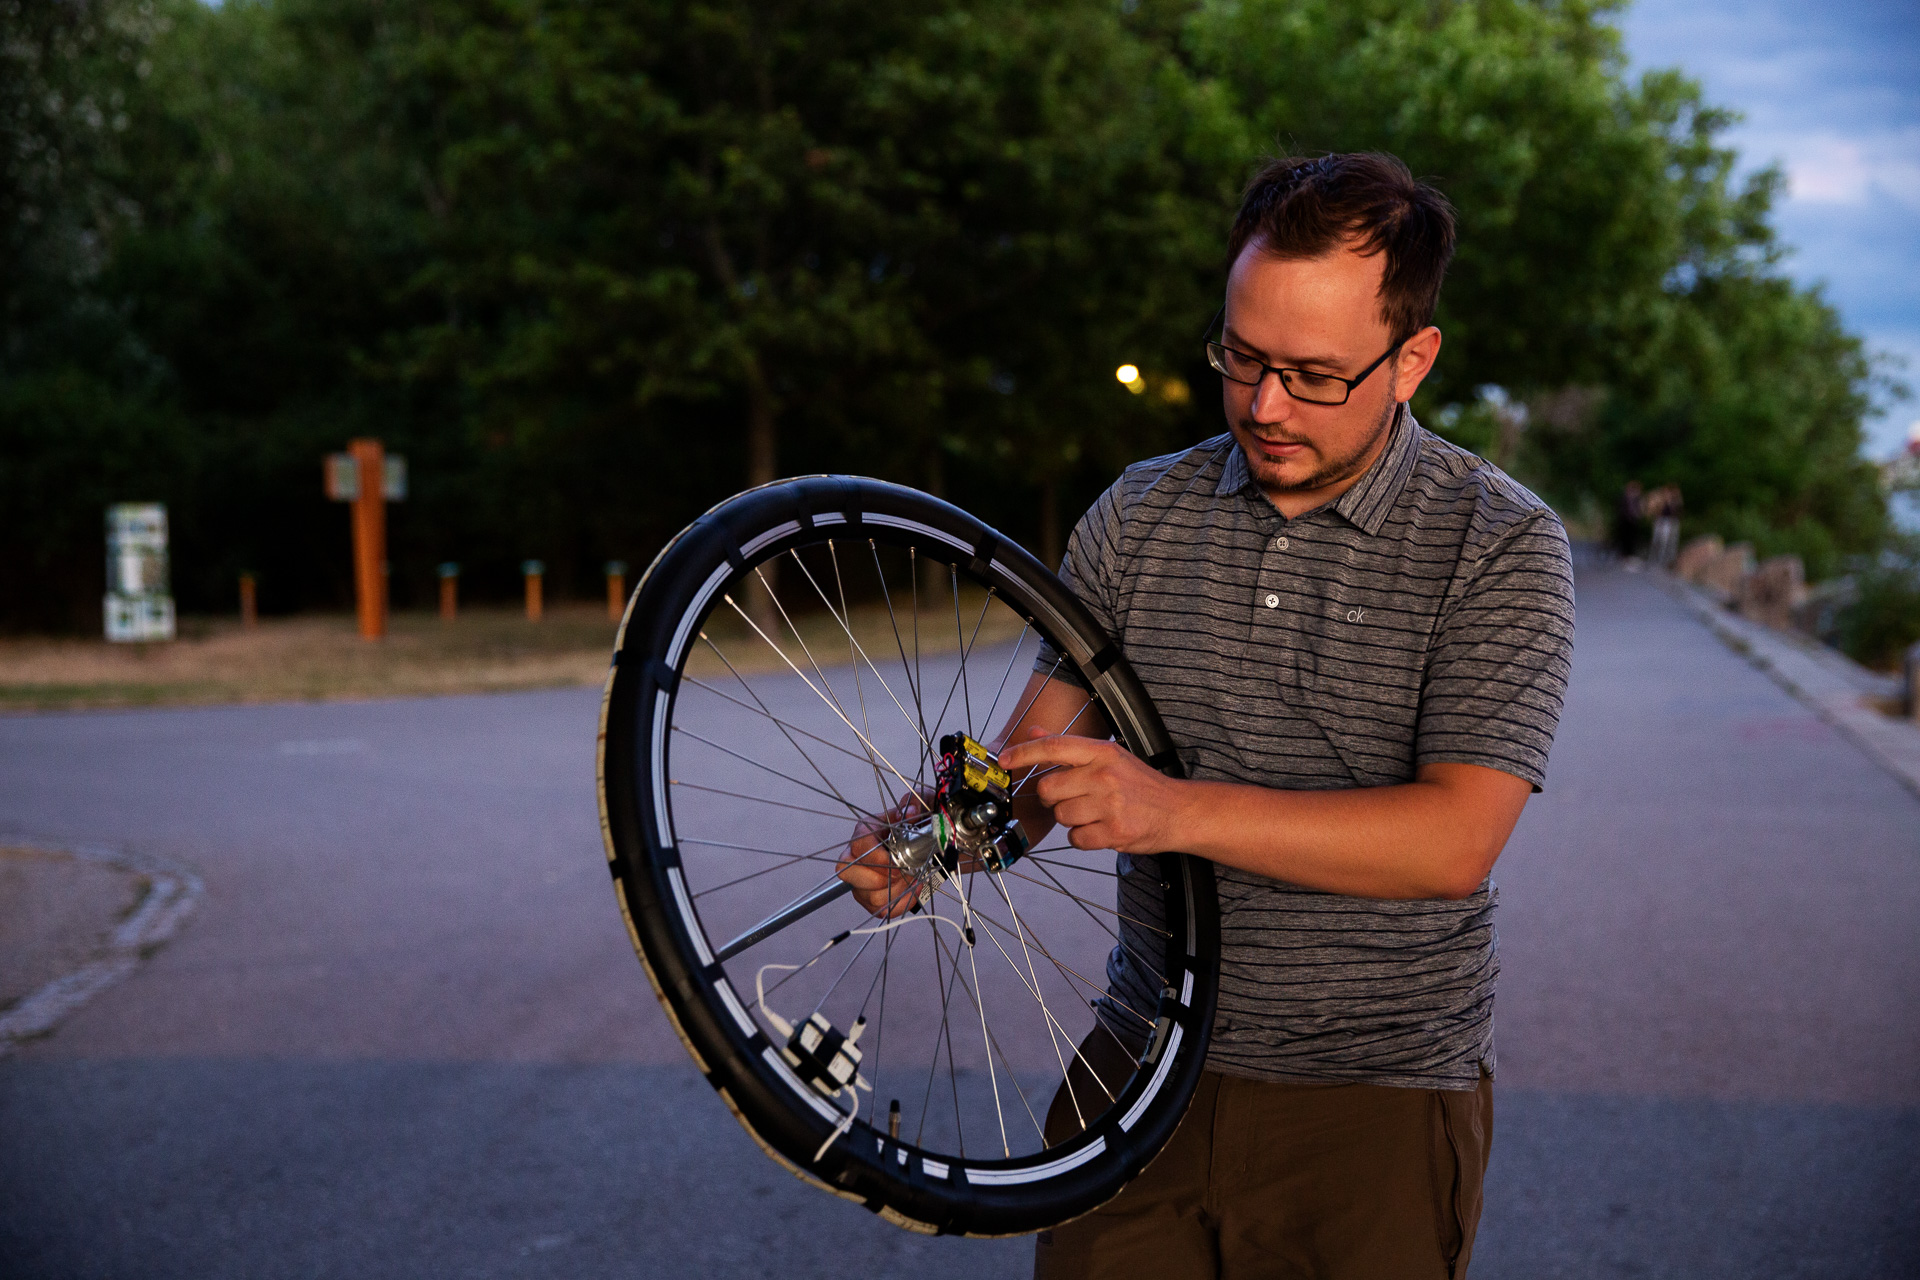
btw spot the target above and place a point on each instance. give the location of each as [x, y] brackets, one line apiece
[761, 442]
[1050, 523]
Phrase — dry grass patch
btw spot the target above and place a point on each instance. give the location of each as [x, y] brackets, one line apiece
[321, 657]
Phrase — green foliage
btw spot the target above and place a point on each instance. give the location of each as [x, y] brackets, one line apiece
[593, 267]
[1884, 618]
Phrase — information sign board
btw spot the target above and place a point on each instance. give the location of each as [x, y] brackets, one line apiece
[138, 605]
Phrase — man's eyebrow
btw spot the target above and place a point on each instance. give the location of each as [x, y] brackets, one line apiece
[1233, 338]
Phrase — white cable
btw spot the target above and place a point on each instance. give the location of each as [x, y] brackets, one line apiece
[785, 1028]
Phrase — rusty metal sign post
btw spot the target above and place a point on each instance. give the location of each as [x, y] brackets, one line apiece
[369, 479]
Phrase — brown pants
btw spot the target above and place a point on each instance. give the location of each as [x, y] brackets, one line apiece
[1341, 1181]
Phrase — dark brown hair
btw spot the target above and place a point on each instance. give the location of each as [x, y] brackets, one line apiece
[1301, 208]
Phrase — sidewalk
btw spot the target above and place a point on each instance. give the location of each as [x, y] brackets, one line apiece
[75, 921]
[1841, 692]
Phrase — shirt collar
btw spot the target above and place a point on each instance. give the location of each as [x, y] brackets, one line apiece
[1366, 504]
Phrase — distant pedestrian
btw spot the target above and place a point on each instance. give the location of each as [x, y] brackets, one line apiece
[1663, 507]
[1626, 520]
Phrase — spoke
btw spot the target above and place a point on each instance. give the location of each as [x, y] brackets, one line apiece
[1023, 708]
[959, 682]
[834, 794]
[919, 676]
[993, 1047]
[755, 875]
[776, 719]
[853, 644]
[1090, 904]
[1032, 981]
[832, 704]
[1030, 774]
[986, 1041]
[762, 710]
[880, 1023]
[887, 594]
[750, 848]
[1068, 866]
[859, 685]
[966, 693]
[736, 795]
[1111, 933]
[1065, 968]
[986, 721]
[933, 1065]
[831, 697]
[854, 959]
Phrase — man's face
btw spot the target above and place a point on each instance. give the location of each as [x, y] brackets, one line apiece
[1320, 314]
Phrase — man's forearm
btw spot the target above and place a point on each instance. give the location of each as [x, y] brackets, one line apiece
[1436, 837]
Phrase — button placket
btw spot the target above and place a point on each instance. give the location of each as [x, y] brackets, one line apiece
[1272, 572]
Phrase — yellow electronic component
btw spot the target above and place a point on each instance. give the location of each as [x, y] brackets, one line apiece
[979, 769]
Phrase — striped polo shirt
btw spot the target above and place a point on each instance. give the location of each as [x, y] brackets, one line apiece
[1424, 615]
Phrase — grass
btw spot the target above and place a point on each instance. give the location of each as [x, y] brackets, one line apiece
[322, 658]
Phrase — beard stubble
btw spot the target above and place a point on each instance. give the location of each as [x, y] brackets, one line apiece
[1334, 470]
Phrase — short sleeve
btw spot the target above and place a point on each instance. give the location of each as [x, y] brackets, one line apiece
[1497, 671]
[1090, 570]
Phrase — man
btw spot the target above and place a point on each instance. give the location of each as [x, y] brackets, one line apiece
[1358, 636]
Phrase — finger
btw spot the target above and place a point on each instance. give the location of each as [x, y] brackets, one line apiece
[1081, 811]
[1065, 784]
[1038, 752]
[1095, 835]
[865, 879]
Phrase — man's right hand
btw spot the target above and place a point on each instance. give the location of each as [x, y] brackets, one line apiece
[882, 888]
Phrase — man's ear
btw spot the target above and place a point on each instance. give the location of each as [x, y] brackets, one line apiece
[1415, 361]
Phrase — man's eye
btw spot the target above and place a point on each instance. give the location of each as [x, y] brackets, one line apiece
[1316, 381]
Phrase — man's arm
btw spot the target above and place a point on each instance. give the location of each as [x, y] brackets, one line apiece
[1434, 837]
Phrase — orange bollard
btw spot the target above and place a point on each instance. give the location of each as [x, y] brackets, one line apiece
[370, 538]
[533, 570]
[449, 591]
[249, 603]
[616, 589]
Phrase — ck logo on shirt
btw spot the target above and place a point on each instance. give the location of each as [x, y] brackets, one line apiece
[1356, 615]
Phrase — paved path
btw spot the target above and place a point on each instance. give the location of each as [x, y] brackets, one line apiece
[404, 1034]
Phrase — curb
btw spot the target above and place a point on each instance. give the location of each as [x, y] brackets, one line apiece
[1837, 689]
[172, 892]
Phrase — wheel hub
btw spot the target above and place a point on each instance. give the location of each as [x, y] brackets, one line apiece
[971, 822]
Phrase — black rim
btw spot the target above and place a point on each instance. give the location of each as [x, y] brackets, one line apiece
[743, 739]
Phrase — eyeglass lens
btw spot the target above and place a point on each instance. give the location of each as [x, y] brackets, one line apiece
[1316, 388]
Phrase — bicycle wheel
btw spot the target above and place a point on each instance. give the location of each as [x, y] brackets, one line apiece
[825, 656]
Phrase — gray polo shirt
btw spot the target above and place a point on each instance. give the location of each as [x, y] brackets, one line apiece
[1425, 615]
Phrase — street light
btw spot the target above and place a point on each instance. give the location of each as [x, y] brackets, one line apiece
[1128, 376]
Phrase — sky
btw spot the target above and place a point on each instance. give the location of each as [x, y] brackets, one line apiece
[1831, 93]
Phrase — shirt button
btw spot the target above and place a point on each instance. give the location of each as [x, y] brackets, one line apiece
[1273, 601]
[1280, 543]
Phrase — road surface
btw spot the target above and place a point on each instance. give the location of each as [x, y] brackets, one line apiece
[404, 1033]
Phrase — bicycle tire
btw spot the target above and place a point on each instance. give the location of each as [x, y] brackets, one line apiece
[754, 1056]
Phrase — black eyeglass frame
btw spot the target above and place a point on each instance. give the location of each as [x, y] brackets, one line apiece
[1281, 373]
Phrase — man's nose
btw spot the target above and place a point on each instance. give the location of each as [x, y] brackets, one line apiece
[1271, 403]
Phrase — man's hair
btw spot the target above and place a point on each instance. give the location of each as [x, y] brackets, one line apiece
[1302, 208]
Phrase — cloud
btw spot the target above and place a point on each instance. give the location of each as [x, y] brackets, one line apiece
[1829, 90]
[1827, 167]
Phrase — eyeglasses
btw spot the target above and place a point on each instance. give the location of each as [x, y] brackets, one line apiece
[1301, 384]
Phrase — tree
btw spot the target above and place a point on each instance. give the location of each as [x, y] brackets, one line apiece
[1615, 293]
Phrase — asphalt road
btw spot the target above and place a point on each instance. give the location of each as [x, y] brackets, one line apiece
[404, 1034]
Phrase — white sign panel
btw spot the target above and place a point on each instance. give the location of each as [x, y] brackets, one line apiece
[138, 604]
